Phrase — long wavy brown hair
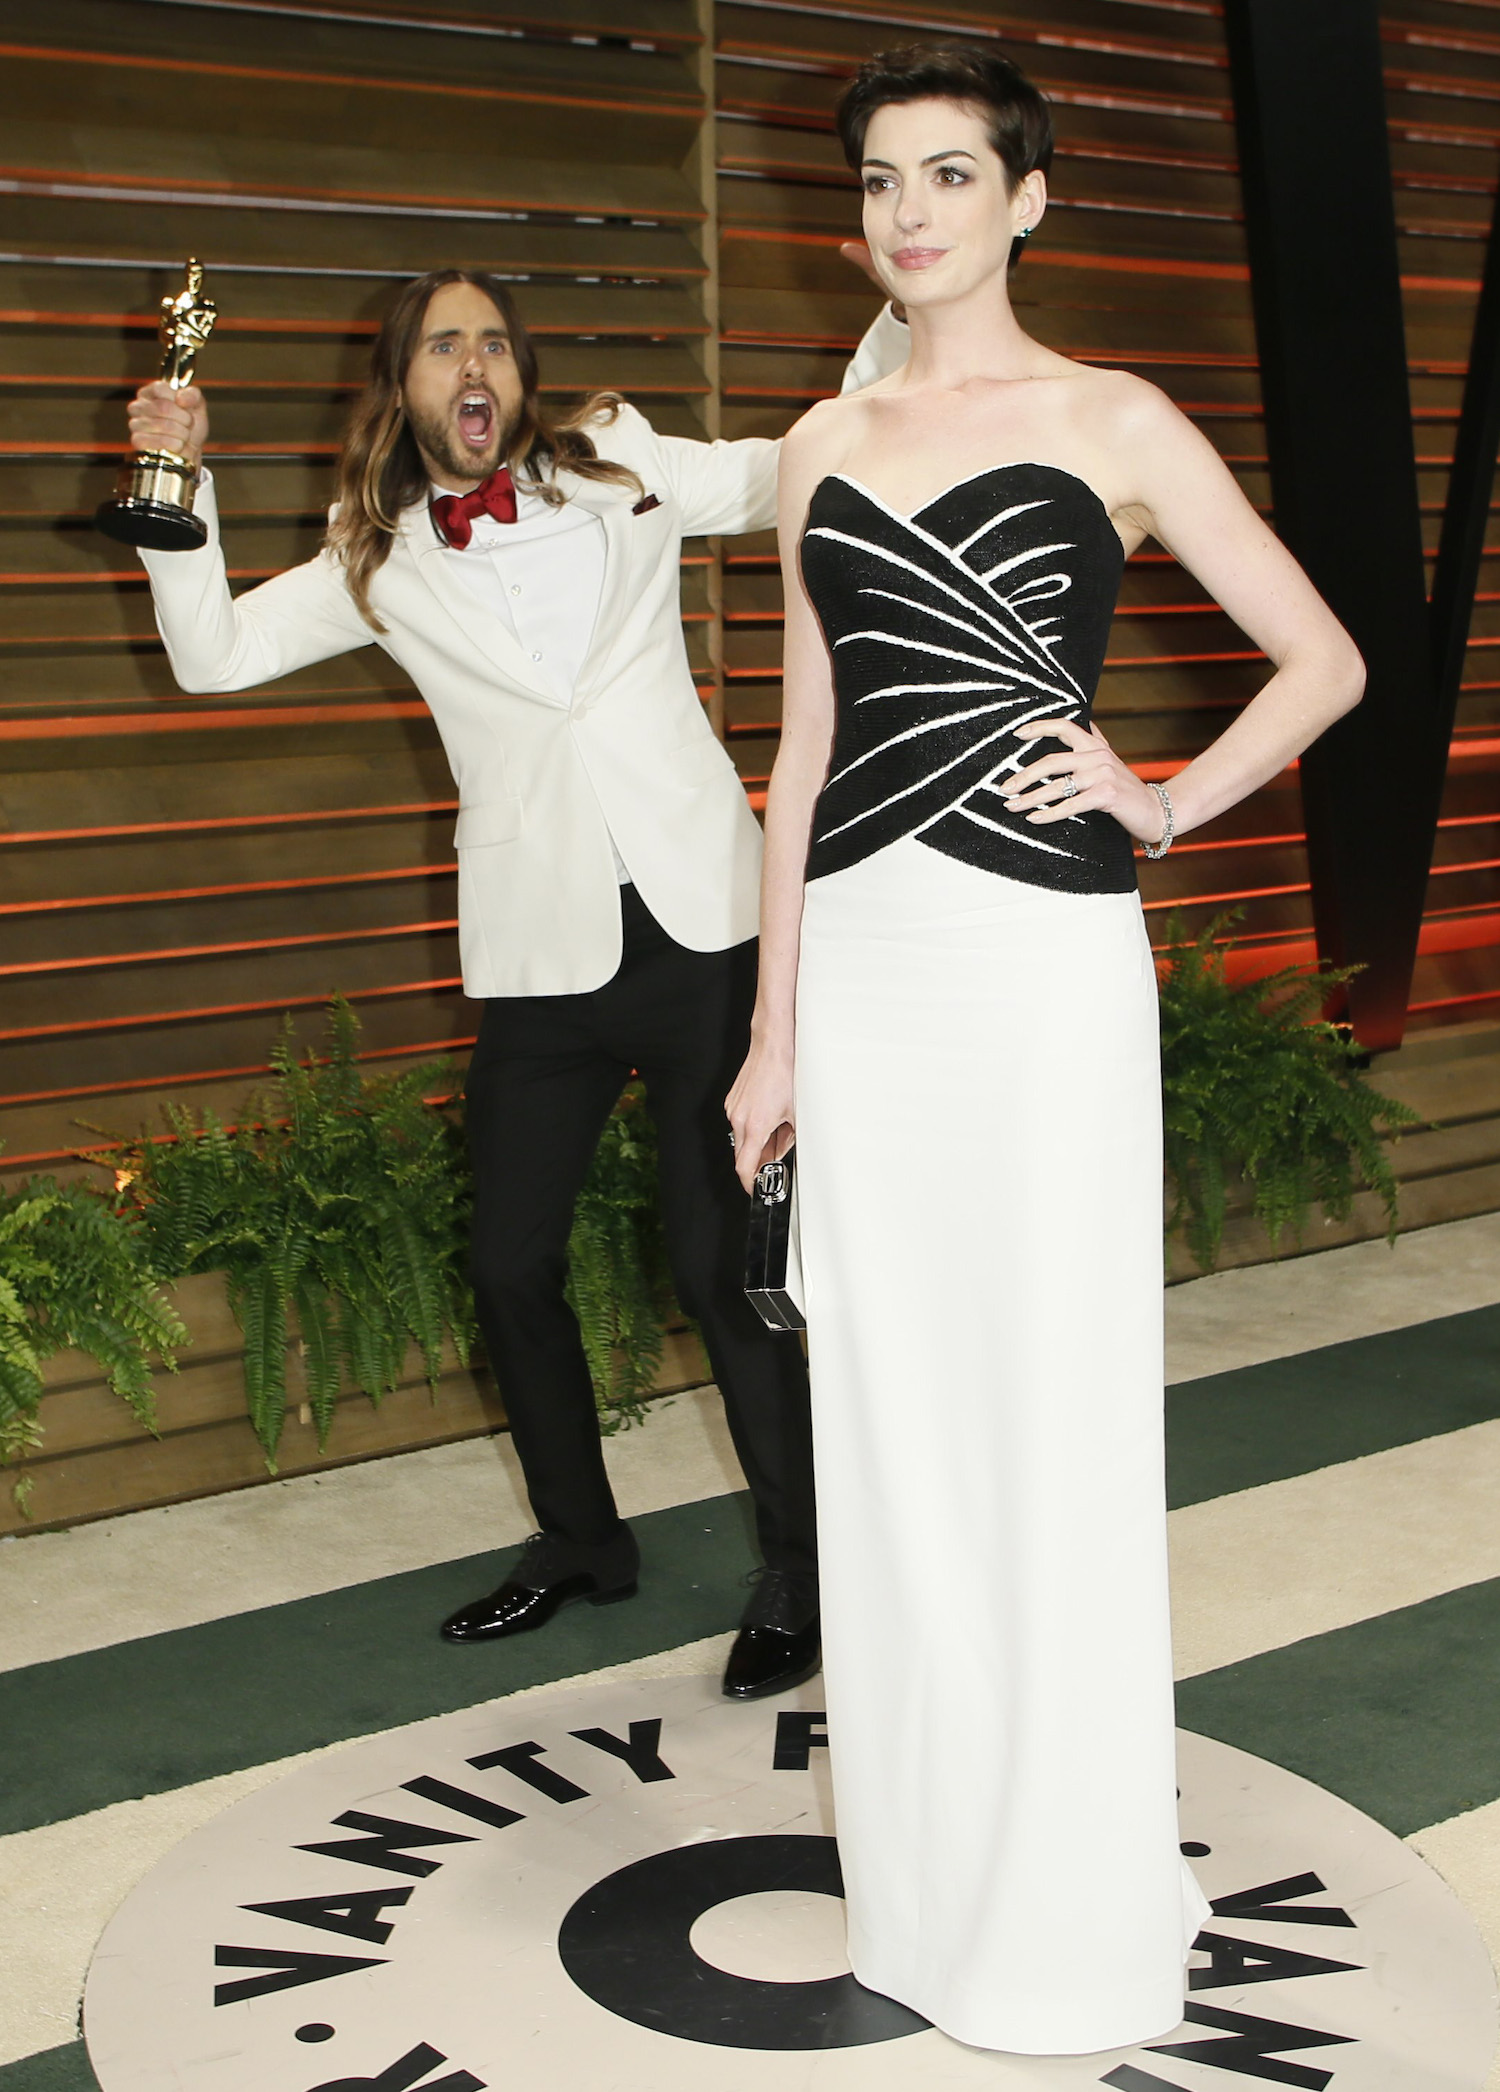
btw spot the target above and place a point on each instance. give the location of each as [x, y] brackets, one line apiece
[380, 470]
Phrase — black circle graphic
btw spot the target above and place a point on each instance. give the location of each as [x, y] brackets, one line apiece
[625, 1944]
[1194, 1849]
[315, 2031]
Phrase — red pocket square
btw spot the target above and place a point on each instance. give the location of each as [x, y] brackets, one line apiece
[647, 501]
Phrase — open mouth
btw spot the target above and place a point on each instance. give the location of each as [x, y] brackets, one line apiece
[476, 419]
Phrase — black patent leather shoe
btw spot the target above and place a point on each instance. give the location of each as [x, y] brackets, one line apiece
[552, 1572]
[779, 1642]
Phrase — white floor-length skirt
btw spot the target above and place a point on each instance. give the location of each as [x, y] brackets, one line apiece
[979, 1183]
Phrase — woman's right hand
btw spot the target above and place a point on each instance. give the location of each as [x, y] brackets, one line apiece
[161, 419]
[760, 1109]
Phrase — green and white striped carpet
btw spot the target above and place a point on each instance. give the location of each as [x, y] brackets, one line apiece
[1334, 1447]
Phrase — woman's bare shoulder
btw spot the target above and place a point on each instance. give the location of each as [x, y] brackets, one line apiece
[1119, 407]
[1143, 444]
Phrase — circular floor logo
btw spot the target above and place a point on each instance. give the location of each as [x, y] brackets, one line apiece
[590, 1890]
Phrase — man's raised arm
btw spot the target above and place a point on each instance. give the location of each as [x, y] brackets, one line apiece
[214, 640]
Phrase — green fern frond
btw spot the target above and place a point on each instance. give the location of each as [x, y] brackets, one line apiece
[260, 1308]
[1256, 1086]
[317, 1319]
[20, 1399]
[73, 1275]
[417, 1286]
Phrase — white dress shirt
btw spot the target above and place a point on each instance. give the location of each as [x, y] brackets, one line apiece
[543, 576]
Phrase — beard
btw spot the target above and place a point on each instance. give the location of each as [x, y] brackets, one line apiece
[438, 438]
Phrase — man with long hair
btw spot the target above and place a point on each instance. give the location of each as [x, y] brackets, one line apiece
[523, 571]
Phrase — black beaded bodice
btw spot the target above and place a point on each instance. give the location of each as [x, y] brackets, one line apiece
[988, 607]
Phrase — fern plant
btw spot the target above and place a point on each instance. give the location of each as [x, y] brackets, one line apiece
[1256, 1085]
[341, 1200]
[72, 1275]
[340, 1203]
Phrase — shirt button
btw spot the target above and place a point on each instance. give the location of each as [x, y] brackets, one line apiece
[536, 657]
[515, 588]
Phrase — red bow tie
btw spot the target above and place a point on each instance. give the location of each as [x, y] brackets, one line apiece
[454, 513]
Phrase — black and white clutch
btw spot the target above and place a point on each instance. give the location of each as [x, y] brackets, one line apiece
[773, 1259]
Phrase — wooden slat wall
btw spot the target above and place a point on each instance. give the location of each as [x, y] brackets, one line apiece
[174, 872]
[1141, 263]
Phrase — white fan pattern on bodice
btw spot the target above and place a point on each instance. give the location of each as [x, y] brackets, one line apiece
[943, 645]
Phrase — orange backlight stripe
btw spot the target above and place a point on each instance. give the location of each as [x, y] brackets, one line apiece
[666, 105]
[1474, 932]
[106, 381]
[740, 97]
[311, 884]
[1097, 43]
[142, 323]
[1454, 1002]
[1112, 661]
[174, 189]
[36, 448]
[39, 1156]
[1223, 900]
[145, 1020]
[71, 727]
[1450, 86]
[211, 824]
[775, 618]
[1079, 258]
[29, 968]
[117, 383]
[137, 1084]
[1120, 264]
[1191, 846]
[1469, 931]
[604, 22]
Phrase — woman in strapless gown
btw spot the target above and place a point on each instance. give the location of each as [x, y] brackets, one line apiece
[958, 1017]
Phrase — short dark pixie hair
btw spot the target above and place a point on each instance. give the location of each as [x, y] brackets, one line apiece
[1020, 123]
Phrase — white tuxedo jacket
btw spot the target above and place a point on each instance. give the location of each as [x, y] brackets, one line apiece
[542, 784]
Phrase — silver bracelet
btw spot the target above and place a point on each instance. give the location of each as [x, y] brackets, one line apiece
[1169, 831]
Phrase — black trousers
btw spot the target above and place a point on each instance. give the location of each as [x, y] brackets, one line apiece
[545, 1073]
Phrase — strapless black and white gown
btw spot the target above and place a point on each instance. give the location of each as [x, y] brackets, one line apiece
[980, 1189]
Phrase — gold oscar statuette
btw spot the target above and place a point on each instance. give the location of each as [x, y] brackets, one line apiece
[153, 505]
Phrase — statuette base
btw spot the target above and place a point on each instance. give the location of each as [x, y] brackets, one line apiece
[154, 505]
